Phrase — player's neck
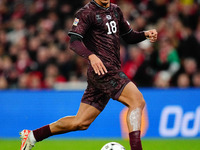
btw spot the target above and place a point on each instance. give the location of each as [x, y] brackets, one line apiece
[101, 3]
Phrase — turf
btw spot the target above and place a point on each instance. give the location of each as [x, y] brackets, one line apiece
[96, 144]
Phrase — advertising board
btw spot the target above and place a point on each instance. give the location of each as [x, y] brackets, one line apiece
[168, 113]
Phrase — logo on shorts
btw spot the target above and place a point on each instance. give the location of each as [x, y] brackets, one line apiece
[113, 83]
[76, 22]
[122, 75]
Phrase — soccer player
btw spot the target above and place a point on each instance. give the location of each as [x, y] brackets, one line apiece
[95, 35]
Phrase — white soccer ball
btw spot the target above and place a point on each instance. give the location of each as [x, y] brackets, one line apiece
[113, 146]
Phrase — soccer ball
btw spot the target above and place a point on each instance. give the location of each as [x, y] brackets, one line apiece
[113, 146]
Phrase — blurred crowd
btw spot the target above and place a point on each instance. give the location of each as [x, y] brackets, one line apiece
[35, 54]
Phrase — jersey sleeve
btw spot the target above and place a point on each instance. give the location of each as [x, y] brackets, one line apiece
[123, 24]
[81, 23]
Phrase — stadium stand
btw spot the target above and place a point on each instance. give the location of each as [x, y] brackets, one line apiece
[35, 54]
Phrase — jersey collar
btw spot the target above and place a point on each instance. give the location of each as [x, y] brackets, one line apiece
[100, 5]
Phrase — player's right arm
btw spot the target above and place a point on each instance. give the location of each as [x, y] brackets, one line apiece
[78, 47]
[82, 23]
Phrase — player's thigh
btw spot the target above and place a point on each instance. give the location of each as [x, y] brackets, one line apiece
[131, 96]
[87, 113]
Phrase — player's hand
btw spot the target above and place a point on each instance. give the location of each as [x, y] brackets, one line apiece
[151, 35]
[97, 65]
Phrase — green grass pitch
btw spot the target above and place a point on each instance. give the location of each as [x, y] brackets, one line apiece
[96, 144]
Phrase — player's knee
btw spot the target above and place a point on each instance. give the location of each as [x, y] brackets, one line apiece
[138, 100]
[83, 125]
[61, 124]
[79, 124]
[142, 103]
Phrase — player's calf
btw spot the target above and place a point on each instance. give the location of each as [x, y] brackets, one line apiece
[134, 119]
[67, 124]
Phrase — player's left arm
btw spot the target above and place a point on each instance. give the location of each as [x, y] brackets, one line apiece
[134, 37]
[152, 35]
[129, 35]
[77, 45]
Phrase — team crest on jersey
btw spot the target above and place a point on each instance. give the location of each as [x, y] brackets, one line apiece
[76, 22]
[108, 17]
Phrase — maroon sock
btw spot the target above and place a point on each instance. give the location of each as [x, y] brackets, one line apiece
[42, 133]
[135, 141]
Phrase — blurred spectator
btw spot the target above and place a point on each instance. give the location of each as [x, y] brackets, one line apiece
[34, 81]
[18, 31]
[197, 32]
[4, 43]
[136, 58]
[81, 65]
[23, 61]
[158, 10]
[3, 83]
[52, 76]
[190, 66]
[162, 80]
[33, 46]
[196, 79]
[183, 81]
[145, 74]
[189, 46]
[167, 57]
[42, 58]
[23, 81]
[49, 82]
[188, 13]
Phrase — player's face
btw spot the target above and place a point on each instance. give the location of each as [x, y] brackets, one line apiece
[104, 3]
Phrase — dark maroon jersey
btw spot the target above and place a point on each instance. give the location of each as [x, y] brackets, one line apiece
[101, 28]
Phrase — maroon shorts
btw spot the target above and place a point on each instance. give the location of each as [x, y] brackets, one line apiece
[101, 88]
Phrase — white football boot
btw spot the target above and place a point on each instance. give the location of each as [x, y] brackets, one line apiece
[25, 144]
